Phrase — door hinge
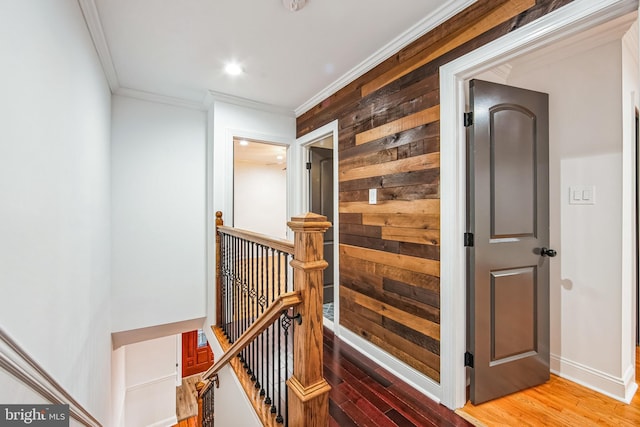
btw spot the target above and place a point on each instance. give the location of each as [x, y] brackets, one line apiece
[468, 359]
[468, 239]
[308, 166]
[468, 119]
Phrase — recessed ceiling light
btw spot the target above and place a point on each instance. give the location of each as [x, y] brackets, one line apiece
[233, 69]
[244, 143]
[294, 5]
[279, 157]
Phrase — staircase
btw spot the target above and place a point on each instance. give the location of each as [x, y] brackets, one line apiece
[269, 323]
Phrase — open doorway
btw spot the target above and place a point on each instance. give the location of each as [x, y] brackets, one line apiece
[587, 160]
[260, 187]
[321, 187]
[586, 198]
[319, 194]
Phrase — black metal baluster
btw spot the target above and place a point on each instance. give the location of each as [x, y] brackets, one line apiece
[235, 289]
[264, 291]
[225, 286]
[247, 320]
[238, 288]
[232, 289]
[276, 396]
[265, 357]
[285, 321]
[223, 293]
[289, 371]
[246, 269]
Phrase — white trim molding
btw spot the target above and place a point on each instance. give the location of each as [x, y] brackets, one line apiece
[159, 380]
[568, 20]
[212, 96]
[92, 19]
[621, 389]
[171, 421]
[161, 99]
[17, 362]
[300, 202]
[406, 373]
[442, 14]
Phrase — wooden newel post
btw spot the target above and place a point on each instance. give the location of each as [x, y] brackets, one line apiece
[219, 223]
[308, 390]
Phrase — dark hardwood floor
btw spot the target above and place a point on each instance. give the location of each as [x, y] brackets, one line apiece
[364, 394]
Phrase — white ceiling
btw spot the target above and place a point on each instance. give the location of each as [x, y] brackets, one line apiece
[259, 152]
[178, 48]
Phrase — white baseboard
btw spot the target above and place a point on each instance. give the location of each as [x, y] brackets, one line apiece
[152, 382]
[167, 422]
[621, 389]
[406, 373]
[18, 363]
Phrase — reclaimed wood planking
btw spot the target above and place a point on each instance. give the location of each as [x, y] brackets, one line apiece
[423, 117]
[501, 13]
[418, 207]
[410, 164]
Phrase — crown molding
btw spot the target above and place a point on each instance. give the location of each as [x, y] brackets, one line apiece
[212, 96]
[162, 99]
[92, 19]
[446, 11]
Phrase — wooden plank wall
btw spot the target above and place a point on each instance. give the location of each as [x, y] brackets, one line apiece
[389, 139]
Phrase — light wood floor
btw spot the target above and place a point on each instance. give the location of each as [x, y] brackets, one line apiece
[187, 398]
[557, 403]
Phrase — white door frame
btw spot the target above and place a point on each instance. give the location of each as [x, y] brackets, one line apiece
[568, 20]
[302, 204]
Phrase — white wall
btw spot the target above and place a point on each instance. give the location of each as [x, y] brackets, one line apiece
[158, 213]
[586, 148]
[232, 408]
[54, 185]
[150, 378]
[260, 198]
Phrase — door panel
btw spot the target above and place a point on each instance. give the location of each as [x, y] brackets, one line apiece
[509, 217]
[513, 308]
[513, 170]
[321, 202]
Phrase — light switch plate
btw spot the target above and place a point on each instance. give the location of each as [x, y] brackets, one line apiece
[582, 195]
[373, 196]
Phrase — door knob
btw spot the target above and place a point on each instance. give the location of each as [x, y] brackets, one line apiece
[548, 252]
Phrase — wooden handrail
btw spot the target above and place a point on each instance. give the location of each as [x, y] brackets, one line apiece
[275, 243]
[266, 319]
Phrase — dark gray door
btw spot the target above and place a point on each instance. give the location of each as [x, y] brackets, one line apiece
[321, 202]
[508, 264]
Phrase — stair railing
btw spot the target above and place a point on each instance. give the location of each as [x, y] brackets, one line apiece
[269, 320]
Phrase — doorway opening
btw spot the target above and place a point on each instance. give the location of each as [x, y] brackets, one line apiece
[318, 193]
[260, 187]
[321, 187]
[570, 20]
